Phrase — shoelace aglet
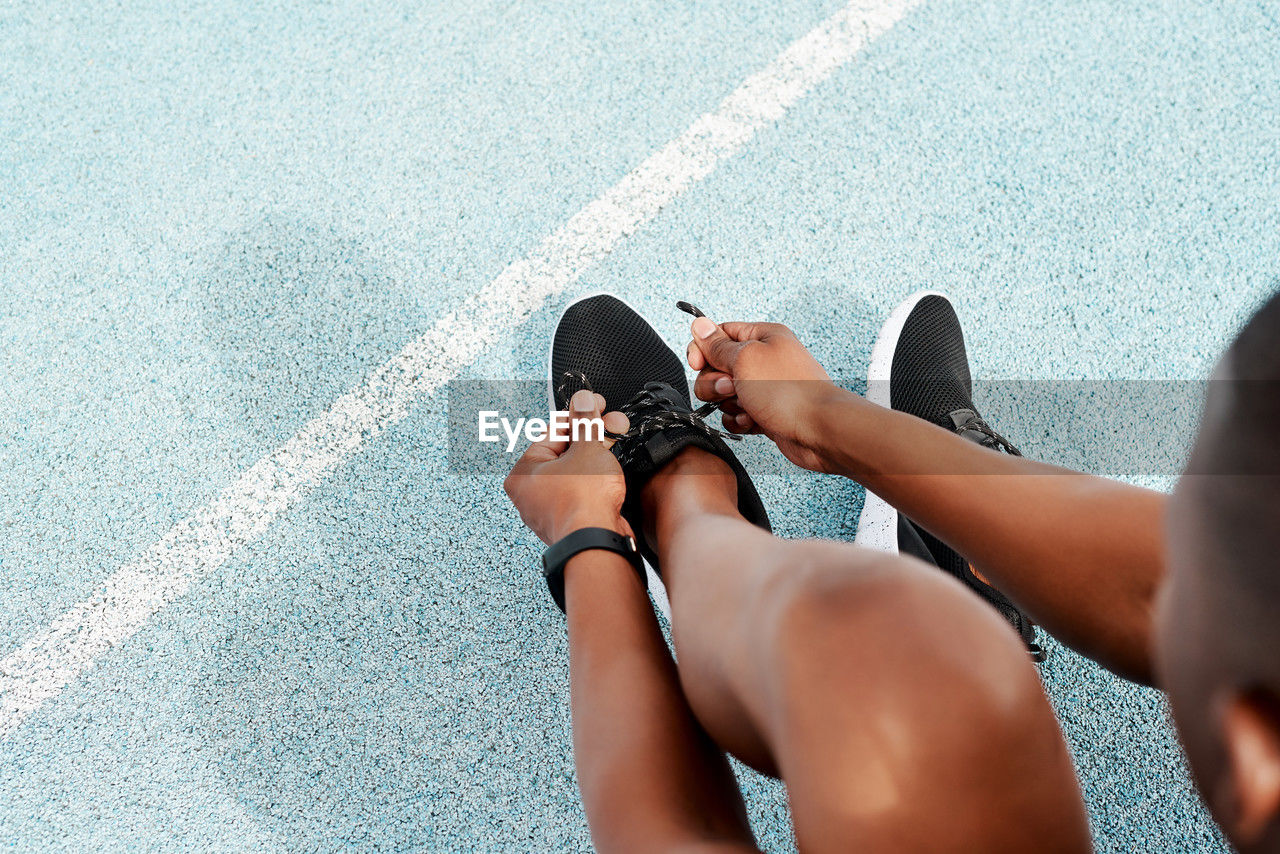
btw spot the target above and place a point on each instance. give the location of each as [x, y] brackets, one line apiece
[689, 308]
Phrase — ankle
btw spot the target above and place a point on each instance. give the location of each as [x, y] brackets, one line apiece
[695, 483]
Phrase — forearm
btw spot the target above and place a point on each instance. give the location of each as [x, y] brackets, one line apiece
[646, 770]
[1082, 555]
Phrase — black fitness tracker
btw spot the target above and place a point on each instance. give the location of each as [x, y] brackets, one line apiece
[558, 554]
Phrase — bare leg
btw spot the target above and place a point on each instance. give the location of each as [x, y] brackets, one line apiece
[650, 777]
[900, 711]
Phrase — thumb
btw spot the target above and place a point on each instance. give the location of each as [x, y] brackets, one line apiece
[720, 350]
[583, 407]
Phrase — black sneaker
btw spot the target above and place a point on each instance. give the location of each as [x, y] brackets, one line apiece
[919, 366]
[601, 343]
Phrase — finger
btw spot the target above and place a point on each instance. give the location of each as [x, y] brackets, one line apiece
[732, 406]
[615, 422]
[713, 385]
[556, 440]
[553, 447]
[720, 350]
[696, 360]
[584, 406]
[740, 330]
[599, 402]
[537, 452]
[550, 446]
[738, 423]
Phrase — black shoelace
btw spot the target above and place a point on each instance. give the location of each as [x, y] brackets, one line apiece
[646, 411]
[993, 439]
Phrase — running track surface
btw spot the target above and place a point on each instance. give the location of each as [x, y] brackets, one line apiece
[218, 218]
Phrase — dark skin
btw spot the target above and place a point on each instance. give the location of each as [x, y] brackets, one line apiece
[1081, 554]
[791, 656]
[1126, 576]
[648, 771]
[651, 778]
[902, 713]
[1223, 683]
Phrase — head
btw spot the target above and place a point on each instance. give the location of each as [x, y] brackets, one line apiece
[1218, 622]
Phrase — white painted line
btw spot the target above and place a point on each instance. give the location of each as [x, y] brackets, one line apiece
[133, 594]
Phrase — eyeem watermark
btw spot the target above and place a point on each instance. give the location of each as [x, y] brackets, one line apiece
[1117, 428]
[559, 426]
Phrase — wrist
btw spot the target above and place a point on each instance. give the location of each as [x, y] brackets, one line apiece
[578, 521]
[598, 580]
[823, 420]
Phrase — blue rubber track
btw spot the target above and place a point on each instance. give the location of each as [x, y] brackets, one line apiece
[218, 217]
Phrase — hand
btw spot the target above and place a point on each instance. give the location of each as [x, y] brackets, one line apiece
[559, 487]
[766, 382]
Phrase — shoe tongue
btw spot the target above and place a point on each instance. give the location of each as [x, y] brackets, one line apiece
[965, 422]
[662, 423]
[969, 425]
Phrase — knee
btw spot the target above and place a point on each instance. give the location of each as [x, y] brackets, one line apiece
[897, 635]
[892, 690]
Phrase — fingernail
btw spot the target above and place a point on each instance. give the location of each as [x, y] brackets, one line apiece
[744, 420]
[702, 327]
[583, 401]
[724, 385]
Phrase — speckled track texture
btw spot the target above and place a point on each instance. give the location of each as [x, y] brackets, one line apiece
[218, 217]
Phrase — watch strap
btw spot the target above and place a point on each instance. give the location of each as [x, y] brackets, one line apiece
[558, 554]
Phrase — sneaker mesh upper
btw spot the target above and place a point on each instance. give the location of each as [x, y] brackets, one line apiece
[930, 374]
[930, 379]
[617, 351]
[600, 339]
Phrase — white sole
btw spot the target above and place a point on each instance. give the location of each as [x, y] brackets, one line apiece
[657, 589]
[878, 522]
